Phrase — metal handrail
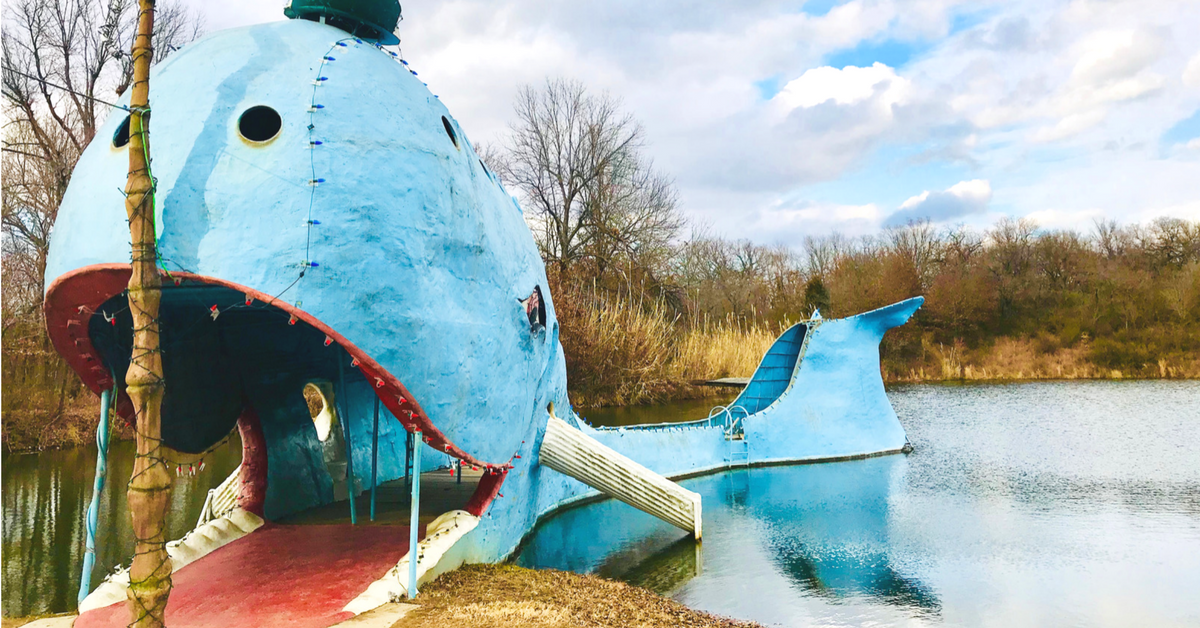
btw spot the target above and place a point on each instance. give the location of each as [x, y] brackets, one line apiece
[223, 499]
[732, 423]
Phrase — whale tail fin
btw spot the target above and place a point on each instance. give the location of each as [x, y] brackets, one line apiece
[780, 365]
[833, 402]
[890, 316]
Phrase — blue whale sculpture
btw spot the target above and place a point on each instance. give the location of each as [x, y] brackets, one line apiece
[322, 217]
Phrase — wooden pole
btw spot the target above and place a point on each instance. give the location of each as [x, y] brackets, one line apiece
[150, 486]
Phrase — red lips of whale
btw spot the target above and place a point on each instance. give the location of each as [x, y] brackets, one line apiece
[75, 296]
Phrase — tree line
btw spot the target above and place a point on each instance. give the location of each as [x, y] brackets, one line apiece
[646, 300]
[64, 63]
[1112, 300]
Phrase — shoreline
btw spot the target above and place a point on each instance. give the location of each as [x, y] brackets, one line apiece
[916, 376]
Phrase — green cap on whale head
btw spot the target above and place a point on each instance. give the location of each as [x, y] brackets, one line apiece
[373, 20]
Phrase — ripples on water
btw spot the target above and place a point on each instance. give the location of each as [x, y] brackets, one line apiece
[1041, 504]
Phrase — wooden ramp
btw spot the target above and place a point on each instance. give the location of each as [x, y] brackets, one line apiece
[571, 452]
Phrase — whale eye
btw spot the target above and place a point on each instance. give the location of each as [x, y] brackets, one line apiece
[259, 123]
[121, 137]
[450, 131]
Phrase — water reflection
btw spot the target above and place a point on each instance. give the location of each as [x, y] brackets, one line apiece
[827, 530]
[45, 497]
[1045, 504]
[1031, 504]
[823, 528]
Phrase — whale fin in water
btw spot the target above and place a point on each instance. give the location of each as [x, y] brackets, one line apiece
[834, 404]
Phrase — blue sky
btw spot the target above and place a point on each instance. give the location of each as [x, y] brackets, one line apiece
[783, 119]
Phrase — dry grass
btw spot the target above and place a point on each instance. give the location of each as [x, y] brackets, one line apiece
[486, 596]
[617, 349]
[1029, 359]
[726, 349]
[625, 351]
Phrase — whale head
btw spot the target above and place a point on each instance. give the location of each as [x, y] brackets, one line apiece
[321, 217]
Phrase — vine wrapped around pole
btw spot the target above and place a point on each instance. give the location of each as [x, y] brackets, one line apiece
[150, 486]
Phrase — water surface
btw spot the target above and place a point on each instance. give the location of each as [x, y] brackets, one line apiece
[45, 498]
[1040, 504]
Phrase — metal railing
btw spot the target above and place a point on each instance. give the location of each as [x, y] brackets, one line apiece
[730, 418]
[223, 499]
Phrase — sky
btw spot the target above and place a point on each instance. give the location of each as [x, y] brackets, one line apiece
[780, 120]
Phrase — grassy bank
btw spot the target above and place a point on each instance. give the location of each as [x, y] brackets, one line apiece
[483, 596]
[1039, 358]
[630, 351]
[626, 352]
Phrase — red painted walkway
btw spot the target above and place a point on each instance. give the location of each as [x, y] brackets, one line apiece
[278, 575]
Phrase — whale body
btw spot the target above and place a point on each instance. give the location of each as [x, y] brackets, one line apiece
[366, 246]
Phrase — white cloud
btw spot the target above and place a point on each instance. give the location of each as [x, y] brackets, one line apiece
[1070, 125]
[789, 222]
[1191, 73]
[961, 199]
[1111, 67]
[846, 86]
[1026, 100]
[1106, 56]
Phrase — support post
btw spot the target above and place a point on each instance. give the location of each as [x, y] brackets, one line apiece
[344, 419]
[413, 519]
[92, 521]
[374, 457]
[408, 449]
[149, 492]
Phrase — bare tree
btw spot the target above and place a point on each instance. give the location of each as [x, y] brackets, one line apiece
[64, 62]
[575, 157]
[632, 217]
[823, 253]
[918, 245]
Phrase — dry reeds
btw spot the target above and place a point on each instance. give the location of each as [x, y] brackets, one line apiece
[625, 350]
[729, 348]
[1017, 359]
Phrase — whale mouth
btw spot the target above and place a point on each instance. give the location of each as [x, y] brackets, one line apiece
[225, 345]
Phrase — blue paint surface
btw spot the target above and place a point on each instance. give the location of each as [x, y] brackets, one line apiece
[422, 258]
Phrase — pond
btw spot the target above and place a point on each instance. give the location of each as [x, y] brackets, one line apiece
[1060, 503]
[1052, 504]
[45, 498]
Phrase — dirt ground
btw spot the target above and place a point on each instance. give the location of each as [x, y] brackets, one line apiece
[483, 596]
[501, 596]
